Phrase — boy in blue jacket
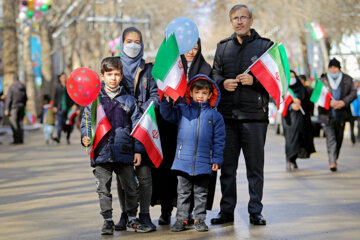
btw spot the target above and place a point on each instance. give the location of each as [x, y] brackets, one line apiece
[200, 145]
[117, 151]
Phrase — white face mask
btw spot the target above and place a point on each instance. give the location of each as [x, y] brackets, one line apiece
[292, 81]
[132, 49]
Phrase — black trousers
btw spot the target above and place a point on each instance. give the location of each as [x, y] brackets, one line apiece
[16, 118]
[249, 137]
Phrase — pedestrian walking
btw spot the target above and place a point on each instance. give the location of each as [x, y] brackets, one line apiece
[355, 110]
[48, 118]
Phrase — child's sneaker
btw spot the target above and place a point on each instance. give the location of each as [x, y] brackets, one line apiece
[179, 226]
[201, 226]
[135, 226]
[108, 228]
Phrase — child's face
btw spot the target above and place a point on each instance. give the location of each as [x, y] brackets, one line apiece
[200, 95]
[112, 78]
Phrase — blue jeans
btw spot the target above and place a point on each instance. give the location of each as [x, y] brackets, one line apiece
[48, 130]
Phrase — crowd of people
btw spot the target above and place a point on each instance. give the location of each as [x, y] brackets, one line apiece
[224, 111]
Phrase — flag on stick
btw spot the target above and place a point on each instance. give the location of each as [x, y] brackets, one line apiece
[316, 30]
[168, 70]
[321, 94]
[31, 117]
[268, 69]
[147, 132]
[100, 125]
[70, 116]
[289, 98]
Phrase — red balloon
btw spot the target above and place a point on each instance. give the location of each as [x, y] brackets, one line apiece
[83, 86]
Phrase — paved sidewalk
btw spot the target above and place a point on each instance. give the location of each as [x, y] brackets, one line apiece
[48, 192]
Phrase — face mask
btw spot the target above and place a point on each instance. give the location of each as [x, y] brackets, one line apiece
[132, 49]
[334, 76]
[112, 89]
[292, 81]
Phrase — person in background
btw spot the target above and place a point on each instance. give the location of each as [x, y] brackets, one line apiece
[299, 141]
[343, 93]
[48, 118]
[62, 105]
[355, 110]
[15, 103]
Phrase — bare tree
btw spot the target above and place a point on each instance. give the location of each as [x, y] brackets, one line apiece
[10, 56]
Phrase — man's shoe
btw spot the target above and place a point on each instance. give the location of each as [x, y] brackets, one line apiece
[108, 228]
[333, 167]
[222, 218]
[135, 226]
[257, 219]
[145, 219]
[179, 226]
[190, 223]
[201, 226]
[121, 225]
[164, 219]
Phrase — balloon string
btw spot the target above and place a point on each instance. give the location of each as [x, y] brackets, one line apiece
[87, 130]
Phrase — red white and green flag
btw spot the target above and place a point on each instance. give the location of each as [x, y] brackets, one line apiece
[284, 106]
[147, 132]
[268, 69]
[316, 30]
[31, 117]
[168, 70]
[100, 125]
[321, 95]
[70, 116]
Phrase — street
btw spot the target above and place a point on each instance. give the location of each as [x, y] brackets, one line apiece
[48, 192]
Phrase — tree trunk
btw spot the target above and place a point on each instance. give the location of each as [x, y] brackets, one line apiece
[47, 69]
[10, 54]
[69, 49]
[30, 78]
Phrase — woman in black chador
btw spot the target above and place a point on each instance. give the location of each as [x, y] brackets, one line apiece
[299, 140]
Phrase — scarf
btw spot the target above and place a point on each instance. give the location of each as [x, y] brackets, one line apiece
[334, 83]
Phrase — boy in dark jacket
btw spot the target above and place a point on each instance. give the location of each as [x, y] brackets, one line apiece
[117, 151]
[200, 144]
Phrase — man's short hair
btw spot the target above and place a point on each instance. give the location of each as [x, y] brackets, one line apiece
[110, 63]
[201, 84]
[238, 6]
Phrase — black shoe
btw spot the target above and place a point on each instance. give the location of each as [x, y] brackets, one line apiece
[68, 141]
[135, 226]
[190, 223]
[178, 226]
[164, 219]
[257, 219]
[145, 219]
[121, 225]
[222, 218]
[108, 228]
[56, 140]
[201, 226]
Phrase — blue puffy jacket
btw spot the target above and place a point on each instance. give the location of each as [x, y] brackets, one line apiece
[117, 145]
[201, 131]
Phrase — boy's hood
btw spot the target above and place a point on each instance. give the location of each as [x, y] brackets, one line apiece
[215, 98]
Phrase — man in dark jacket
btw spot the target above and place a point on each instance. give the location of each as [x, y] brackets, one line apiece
[244, 106]
[15, 103]
[343, 93]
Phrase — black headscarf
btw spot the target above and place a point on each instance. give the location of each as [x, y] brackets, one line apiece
[198, 65]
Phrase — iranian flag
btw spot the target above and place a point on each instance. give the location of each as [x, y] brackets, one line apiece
[168, 70]
[100, 125]
[31, 117]
[147, 132]
[284, 106]
[268, 69]
[321, 95]
[70, 116]
[317, 31]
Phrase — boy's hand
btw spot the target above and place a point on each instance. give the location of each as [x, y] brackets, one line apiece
[86, 141]
[215, 167]
[137, 159]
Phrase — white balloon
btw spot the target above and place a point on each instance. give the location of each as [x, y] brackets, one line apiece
[22, 15]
